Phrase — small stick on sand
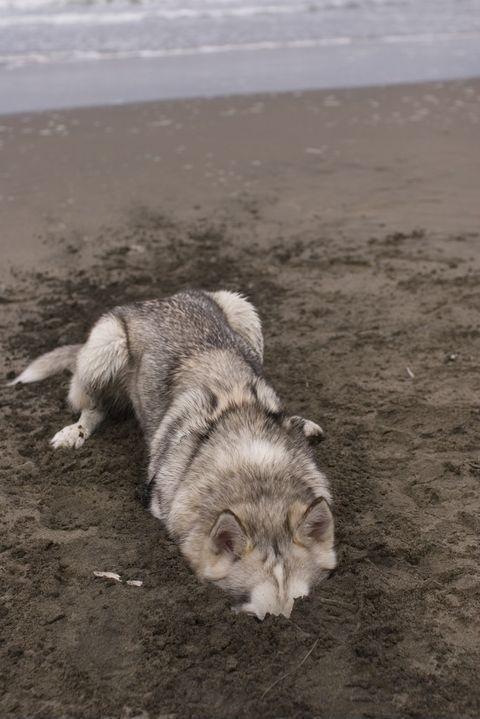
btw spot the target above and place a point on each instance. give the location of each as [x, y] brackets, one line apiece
[335, 603]
[410, 373]
[108, 575]
[280, 679]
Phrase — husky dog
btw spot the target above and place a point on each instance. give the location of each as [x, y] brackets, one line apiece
[230, 474]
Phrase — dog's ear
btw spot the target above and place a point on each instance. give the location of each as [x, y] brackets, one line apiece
[316, 524]
[227, 535]
[225, 544]
[312, 431]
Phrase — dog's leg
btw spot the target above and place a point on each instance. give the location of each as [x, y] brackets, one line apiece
[100, 363]
[74, 435]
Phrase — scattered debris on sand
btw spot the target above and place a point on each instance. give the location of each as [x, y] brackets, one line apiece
[108, 575]
[117, 578]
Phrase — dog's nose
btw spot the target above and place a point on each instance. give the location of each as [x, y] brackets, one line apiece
[287, 609]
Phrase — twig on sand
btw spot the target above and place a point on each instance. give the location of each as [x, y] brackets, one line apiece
[117, 578]
[335, 602]
[108, 575]
[290, 671]
[409, 373]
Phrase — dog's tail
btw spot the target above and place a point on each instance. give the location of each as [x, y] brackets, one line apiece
[48, 364]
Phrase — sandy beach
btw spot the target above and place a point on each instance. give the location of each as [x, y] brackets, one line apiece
[351, 219]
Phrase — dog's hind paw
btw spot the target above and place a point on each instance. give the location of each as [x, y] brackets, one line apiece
[71, 437]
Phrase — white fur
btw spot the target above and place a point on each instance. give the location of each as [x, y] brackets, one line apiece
[70, 437]
[218, 569]
[252, 451]
[275, 597]
[265, 599]
[268, 599]
[77, 397]
[48, 364]
[30, 374]
[279, 575]
[298, 588]
[242, 316]
[267, 396]
[74, 435]
[311, 429]
[100, 359]
[259, 451]
[105, 353]
[155, 507]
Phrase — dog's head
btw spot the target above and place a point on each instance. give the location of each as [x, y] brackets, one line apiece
[266, 573]
[252, 511]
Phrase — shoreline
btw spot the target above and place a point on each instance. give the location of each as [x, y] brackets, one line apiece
[334, 63]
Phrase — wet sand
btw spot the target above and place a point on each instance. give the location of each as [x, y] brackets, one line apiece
[351, 219]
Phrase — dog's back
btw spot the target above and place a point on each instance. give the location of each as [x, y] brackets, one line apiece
[170, 338]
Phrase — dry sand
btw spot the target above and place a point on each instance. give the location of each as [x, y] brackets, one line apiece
[351, 219]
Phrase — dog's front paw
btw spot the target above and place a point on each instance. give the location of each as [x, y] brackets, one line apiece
[71, 437]
[311, 430]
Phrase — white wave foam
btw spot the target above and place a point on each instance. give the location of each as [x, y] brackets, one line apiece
[130, 16]
[39, 5]
[14, 61]
[73, 14]
[92, 55]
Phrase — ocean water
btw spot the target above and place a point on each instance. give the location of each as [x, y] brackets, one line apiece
[52, 31]
[227, 46]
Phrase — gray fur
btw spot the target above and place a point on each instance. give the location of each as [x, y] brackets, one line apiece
[231, 476]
